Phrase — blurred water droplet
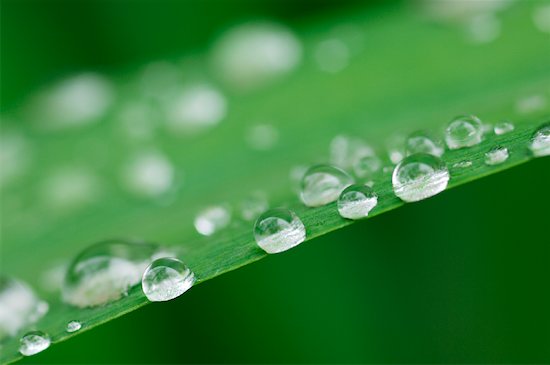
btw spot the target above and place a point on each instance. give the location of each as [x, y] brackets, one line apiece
[212, 219]
[396, 148]
[496, 155]
[540, 142]
[103, 272]
[483, 28]
[332, 55]
[15, 156]
[73, 326]
[165, 279]
[262, 137]
[19, 306]
[419, 176]
[71, 187]
[255, 54]
[149, 174]
[345, 151]
[322, 184]
[531, 104]
[367, 166]
[253, 205]
[34, 342]
[138, 120]
[464, 131]
[422, 142]
[356, 201]
[195, 109]
[503, 128]
[278, 230]
[541, 17]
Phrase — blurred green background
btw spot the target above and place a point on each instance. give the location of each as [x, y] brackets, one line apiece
[460, 278]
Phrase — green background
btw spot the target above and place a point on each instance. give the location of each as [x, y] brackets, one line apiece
[462, 277]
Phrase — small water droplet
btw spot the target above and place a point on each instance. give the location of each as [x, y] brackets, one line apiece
[503, 128]
[262, 137]
[367, 166]
[356, 201]
[103, 272]
[419, 176]
[540, 142]
[19, 306]
[73, 326]
[253, 205]
[165, 279]
[422, 142]
[33, 342]
[464, 131]
[496, 155]
[322, 184]
[212, 219]
[278, 230]
[462, 164]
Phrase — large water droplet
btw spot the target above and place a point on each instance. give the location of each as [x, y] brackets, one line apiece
[503, 128]
[19, 306]
[422, 142]
[73, 326]
[278, 230]
[212, 219]
[165, 279]
[104, 272]
[496, 155]
[322, 184]
[33, 343]
[464, 131]
[356, 201]
[540, 142]
[419, 176]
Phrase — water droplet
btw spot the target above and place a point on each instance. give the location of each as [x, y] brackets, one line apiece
[262, 137]
[356, 201]
[19, 306]
[278, 230]
[332, 55]
[345, 151]
[540, 142]
[496, 155]
[541, 17]
[195, 108]
[462, 164]
[396, 148]
[483, 28]
[256, 54]
[212, 219]
[503, 128]
[464, 131]
[103, 272]
[367, 166]
[149, 174]
[421, 142]
[419, 176]
[253, 205]
[322, 184]
[531, 104]
[33, 342]
[165, 279]
[73, 326]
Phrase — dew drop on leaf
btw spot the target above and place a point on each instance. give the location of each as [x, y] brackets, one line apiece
[278, 230]
[165, 279]
[464, 131]
[34, 342]
[322, 184]
[356, 201]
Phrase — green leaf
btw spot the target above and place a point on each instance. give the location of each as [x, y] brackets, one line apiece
[411, 74]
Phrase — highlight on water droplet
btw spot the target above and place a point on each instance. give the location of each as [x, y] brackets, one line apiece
[165, 279]
[322, 184]
[356, 201]
[73, 326]
[253, 205]
[422, 142]
[503, 127]
[419, 176]
[278, 230]
[105, 271]
[540, 142]
[496, 155]
[19, 306]
[464, 131]
[212, 219]
[33, 342]
[255, 54]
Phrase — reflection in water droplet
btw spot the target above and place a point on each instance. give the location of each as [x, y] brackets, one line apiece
[278, 230]
[356, 201]
[496, 155]
[104, 272]
[255, 54]
[540, 142]
[165, 279]
[34, 342]
[503, 128]
[464, 131]
[212, 219]
[322, 184]
[419, 176]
